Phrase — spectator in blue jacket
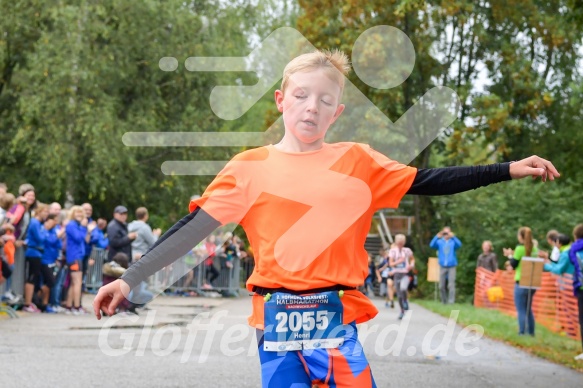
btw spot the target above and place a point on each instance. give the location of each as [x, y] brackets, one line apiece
[52, 252]
[98, 238]
[446, 244]
[77, 234]
[35, 239]
[563, 264]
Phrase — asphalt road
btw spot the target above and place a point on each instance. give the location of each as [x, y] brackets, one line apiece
[164, 347]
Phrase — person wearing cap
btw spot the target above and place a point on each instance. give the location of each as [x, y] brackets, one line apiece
[117, 233]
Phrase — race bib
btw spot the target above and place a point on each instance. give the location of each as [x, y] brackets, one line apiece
[295, 322]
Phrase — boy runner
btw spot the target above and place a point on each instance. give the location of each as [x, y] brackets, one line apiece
[306, 207]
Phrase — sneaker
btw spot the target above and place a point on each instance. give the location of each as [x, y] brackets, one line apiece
[78, 311]
[31, 308]
[401, 315]
[392, 304]
[207, 287]
[68, 311]
[386, 304]
[59, 309]
[50, 310]
[579, 357]
[8, 296]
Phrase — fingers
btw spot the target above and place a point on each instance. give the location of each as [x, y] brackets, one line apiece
[548, 169]
[115, 301]
[97, 305]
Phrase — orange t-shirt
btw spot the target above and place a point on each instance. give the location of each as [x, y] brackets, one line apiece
[307, 215]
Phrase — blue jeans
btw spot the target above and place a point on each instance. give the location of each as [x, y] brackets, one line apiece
[140, 295]
[57, 291]
[523, 303]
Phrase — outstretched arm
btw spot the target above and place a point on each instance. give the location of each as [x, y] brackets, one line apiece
[452, 180]
[174, 244]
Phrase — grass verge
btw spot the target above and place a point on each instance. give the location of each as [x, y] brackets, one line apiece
[546, 344]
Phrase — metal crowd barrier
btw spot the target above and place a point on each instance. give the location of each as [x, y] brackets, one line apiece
[93, 278]
[229, 281]
[18, 272]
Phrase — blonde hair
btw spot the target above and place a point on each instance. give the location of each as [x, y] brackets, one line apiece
[335, 63]
[400, 237]
[40, 207]
[489, 244]
[7, 201]
[73, 210]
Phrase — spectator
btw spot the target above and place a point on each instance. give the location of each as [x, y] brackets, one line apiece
[487, 259]
[522, 296]
[146, 237]
[20, 214]
[209, 266]
[91, 225]
[576, 257]
[76, 231]
[112, 270]
[117, 233]
[3, 188]
[7, 201]
[446, 244]
[98, 238]
[552, 236]
[563, 264]
[33, 254]
[55, 208]
[63, 271]
[372, 274]
[52, 249]
[401, 261]
[384, 271]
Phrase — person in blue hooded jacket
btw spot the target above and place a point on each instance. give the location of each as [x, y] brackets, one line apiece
[446, 244]
[576, 258]
[77, 235]
[35, 240]
[53, 246]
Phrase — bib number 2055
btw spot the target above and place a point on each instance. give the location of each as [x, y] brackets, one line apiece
[306, 320]
[297, 322]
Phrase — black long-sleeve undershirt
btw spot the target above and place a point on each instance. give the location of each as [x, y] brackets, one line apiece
[453, 180]
[196, 226]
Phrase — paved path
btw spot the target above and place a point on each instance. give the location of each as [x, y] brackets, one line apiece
[75, 351]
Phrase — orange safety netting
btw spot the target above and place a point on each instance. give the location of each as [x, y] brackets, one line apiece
[554, 305]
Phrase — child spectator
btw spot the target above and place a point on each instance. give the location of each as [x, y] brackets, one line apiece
[7, 201]
[112, 271]
[33, 254]
[563, 264]
[50, 255]
[487, 259]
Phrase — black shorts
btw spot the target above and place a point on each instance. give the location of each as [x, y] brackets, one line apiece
[48, 275]
[75, 266]
[32, 269]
